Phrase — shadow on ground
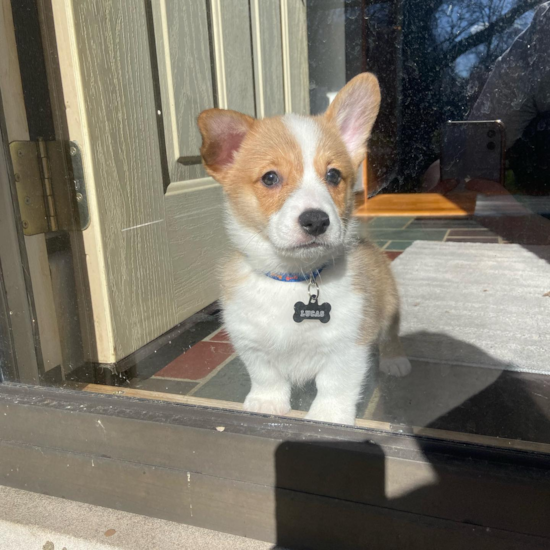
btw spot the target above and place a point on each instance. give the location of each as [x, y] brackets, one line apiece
[334, 494]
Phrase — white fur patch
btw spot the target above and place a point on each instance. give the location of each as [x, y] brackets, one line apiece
[311, 194]
[307, 133]
[279, 352]
[395, 366]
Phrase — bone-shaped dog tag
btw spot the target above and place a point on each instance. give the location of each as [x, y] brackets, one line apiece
[313, 310]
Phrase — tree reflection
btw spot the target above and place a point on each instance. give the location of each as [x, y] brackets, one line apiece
[447, 50]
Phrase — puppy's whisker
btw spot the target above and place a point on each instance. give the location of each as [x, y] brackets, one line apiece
[249, 241]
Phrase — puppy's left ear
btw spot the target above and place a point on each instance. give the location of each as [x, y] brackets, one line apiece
[354, 111]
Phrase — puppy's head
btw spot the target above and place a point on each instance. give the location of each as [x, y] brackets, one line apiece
[290, 179]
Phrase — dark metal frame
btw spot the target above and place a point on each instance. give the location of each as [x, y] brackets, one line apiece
[10, 367]
[7, 345]
[295, 483]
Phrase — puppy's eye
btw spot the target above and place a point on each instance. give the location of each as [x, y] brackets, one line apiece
[269, 179]
[333, 176]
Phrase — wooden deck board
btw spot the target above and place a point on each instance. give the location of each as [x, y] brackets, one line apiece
[419, 204]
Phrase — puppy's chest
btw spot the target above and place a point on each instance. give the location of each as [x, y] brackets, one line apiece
[262, 312]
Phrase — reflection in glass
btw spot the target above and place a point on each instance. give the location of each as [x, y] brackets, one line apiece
[474, 287]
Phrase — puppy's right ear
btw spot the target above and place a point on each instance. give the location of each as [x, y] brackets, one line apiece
[223, 132]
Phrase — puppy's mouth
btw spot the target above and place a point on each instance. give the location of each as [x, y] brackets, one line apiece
[311, 245]
[314, 244]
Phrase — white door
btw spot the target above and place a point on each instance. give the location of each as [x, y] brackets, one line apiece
[135, 75]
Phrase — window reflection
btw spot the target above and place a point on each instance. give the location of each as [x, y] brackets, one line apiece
[474, 283]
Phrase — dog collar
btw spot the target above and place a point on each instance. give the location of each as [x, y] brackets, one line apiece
[295, 277]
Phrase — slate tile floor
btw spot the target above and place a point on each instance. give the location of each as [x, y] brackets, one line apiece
[201, 362]
[397, 234]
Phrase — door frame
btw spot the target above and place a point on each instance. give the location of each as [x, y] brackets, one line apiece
[37, 291]
[16, 288]
[34, 108]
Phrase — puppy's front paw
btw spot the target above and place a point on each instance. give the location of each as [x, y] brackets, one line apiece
[266, 403]
[330, 414]
[396, 366]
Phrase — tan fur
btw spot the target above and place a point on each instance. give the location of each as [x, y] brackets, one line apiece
[231, 276]
[267, 146]
[214, 125]
[373, 277]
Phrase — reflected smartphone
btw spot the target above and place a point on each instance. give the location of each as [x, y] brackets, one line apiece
[473, 150]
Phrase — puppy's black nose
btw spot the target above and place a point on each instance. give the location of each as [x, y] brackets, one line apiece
[314, 222]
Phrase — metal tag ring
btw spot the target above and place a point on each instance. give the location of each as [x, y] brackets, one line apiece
[314, 284]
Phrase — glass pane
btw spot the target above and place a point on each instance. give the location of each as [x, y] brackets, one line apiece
[266, 274]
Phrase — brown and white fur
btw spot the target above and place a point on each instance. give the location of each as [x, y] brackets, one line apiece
[263, 225]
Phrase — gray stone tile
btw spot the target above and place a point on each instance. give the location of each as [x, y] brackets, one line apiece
[445, 223]
[231, 383]
[388, 222]
[398, 245]
[429, 392]
[408, 234]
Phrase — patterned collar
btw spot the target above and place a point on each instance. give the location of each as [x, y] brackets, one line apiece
[295, 277]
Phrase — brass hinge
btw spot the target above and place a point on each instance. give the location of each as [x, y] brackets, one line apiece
[50, 186]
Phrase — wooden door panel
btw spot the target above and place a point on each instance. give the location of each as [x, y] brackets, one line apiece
[154, 255]
[268, 57]
[295, 59]
[197, 244]
[125, 169]
[194, 77]
[193, 202]
[233, 55]
[182, 37]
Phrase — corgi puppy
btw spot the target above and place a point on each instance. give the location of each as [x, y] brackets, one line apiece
[303, 296]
